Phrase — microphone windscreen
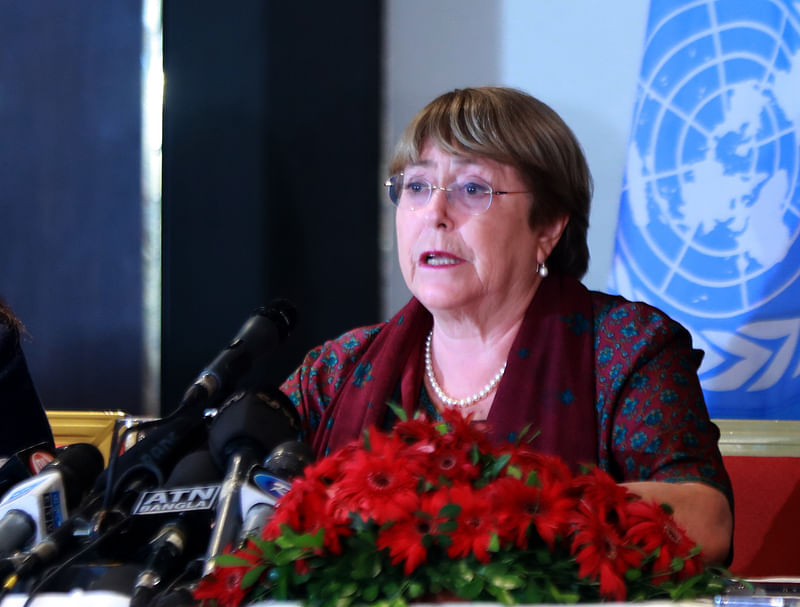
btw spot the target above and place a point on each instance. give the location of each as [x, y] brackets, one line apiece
[288, 459]
[79, 465]
[197, 468]
[257, 420]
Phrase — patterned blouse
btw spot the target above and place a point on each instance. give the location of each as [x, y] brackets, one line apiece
[651, 416]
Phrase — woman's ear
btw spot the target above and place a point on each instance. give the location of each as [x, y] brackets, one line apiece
[550, 235]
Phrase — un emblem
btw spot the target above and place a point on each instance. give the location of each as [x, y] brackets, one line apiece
[710, 210]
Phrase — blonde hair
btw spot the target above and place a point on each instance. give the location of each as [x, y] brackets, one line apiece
[513, 128]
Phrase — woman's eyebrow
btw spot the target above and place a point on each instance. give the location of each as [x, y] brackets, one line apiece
[457, 160]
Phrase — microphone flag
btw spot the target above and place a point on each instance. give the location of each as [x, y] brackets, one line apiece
[710, 210]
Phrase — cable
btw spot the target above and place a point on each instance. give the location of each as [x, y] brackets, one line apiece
[56, 569]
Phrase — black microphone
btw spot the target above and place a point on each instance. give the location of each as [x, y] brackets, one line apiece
[17, 527]
[248, 426]
[268, 483]
[263, 331]
[79, 465]
[184, 431]
[23, 464]
[37, 506]
[149, 461]
[192, 486]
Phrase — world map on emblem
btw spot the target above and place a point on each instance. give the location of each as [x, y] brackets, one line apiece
[710, 211]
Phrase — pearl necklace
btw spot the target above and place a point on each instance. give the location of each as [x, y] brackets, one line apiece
[457, 402]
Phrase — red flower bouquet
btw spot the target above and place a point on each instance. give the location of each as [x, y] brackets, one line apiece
[433, 509]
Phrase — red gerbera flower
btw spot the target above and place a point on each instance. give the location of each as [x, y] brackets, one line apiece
[376, 484]
[452, 464]
[652, 527]
[477, 525]
[305, 510]
[604, 495]
[464, 432]
[328, 469]
[602, 554]
[224, 584]
[416, 430]
[548, 468]
[405, 539]
[519, 505]
[514, 505]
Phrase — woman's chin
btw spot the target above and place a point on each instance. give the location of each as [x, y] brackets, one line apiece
[439, 299]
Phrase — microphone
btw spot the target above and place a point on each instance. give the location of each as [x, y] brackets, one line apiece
[192, 489]
[23, 464]
[268, 483]
[264, 330]
[245, 429]
[36, 507]
[185, 429]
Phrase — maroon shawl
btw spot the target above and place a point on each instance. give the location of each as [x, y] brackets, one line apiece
[549, 382]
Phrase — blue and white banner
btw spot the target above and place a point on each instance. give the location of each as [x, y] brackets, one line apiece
[710, 210]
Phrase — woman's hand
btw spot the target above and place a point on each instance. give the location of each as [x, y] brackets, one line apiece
[702, 511]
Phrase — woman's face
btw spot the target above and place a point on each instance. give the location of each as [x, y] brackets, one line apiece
[462, 263]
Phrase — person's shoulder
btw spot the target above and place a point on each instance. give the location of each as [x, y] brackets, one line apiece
[637, 328]
[325, 366]
[355, 341]
[348, 346]
[615, 311]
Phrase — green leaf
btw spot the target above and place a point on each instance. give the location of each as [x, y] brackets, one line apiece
[348, 589]
[252, 576]
[398, 411]
[471, 589]
[502, 595]
[391, 589]
[290, 539]
[284, 557]
[497, 465]
[506, 581]
[230, 560]
[370, 592]
[415, 589]
[450, 511]
[474, 455]
[543, 556]
[524, 434]
[448, 527]
[494, 543]
[563, 596]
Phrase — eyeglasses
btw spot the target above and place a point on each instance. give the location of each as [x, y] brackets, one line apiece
[473, 196]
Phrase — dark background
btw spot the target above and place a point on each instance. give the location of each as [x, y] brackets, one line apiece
[270, 184]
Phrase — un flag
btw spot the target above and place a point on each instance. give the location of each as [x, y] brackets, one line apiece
[710, 210]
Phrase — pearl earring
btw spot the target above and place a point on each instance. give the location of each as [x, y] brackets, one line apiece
[542, 270]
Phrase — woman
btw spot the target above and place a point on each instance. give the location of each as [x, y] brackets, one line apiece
[492, 193]
[24, 421]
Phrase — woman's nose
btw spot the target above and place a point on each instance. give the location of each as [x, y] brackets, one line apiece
[438, 207]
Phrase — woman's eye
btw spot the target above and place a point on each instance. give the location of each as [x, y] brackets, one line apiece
[415, 187]
[474, 189]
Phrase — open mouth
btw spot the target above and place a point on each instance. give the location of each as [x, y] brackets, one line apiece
[438, 259]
